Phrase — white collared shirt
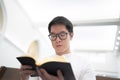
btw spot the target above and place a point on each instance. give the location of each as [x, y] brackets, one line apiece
[81, 68]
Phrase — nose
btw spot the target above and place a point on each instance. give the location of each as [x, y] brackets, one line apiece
[58, 39]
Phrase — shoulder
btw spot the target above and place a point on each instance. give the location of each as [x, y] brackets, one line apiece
[80, 65]
[78, 61]
[76, 57]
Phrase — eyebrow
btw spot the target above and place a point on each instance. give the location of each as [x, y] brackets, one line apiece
[57, 33]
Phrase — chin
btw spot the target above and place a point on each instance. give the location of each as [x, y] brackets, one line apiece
[59, 52]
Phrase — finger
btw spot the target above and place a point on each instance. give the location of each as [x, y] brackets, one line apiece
[60, 75]
[24, 67]
[38, 71]
[45, 74]
[27, 72]
[40, 74]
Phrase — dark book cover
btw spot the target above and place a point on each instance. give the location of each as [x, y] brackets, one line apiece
[51, 67]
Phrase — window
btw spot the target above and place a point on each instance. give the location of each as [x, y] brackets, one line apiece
[94, 38]
[96, 44]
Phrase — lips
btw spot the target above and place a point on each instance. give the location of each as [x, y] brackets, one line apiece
[58, 45]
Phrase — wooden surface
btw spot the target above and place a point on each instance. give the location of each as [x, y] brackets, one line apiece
[106, 78]
[9, 73]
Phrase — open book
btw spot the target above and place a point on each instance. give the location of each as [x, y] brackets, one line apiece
[51, 65]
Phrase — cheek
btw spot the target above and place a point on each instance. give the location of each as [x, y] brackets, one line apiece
[66, 43]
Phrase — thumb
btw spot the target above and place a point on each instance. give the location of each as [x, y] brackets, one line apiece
[38, 71]
[60, 75]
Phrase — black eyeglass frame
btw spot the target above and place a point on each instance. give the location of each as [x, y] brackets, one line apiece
[58, 35]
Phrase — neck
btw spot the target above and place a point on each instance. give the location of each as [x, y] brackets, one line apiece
[62, 53]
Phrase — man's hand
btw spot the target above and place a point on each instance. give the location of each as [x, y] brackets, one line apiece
[45, 76]
[25, 72]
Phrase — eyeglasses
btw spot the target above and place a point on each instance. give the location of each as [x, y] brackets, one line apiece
[62, 36]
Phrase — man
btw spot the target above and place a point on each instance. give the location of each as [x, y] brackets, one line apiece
[61, 33]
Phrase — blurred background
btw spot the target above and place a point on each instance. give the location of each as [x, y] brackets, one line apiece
[23, 30]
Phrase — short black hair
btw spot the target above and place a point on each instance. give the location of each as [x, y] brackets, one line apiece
[61, 20]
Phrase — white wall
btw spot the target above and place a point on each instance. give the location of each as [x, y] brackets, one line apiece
[18, 27]
[8, 53]
[18, 34]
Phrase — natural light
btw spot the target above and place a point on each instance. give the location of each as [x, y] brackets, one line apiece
[27, 20]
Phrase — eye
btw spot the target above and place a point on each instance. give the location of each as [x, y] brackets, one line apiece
[52, 35]
[62, 34]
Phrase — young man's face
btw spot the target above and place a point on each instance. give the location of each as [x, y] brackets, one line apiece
[61, 39]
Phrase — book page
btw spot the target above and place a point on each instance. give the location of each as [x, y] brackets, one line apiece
[56, 58]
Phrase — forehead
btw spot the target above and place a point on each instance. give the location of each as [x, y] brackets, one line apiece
[58, 28]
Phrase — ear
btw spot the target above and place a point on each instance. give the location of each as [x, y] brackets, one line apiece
[71, 35]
